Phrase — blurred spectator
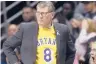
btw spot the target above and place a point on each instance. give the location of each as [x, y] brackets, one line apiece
[90, 56]
[92, 59]
[67, 13]
[28, 14]
[88, 31]
[12, 28]
[90, 8]
[79, 9]
[75, 26]
[68, 9]
[86, 9]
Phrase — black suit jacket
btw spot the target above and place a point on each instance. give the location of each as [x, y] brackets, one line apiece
[26, 37]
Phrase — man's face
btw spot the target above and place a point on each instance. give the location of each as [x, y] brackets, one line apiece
[93, 49]
[12, 29]
[44, 17]
[27, 14]
[67, 8]
[88, 7]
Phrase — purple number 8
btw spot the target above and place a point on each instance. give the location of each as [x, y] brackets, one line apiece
[47, 54]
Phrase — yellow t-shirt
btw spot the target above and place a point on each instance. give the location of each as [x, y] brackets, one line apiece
[46, 48]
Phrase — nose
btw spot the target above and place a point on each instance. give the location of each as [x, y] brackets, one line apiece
[41, 16]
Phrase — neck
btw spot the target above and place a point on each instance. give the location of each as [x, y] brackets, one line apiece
[46, 26]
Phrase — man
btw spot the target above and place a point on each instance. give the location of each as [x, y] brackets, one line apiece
[43, 42]
[90, 8]
[12, 29]
[86, 9]
[66, 14]
[76, 23]
[28, 14]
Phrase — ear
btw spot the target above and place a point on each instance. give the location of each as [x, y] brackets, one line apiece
[53, 14]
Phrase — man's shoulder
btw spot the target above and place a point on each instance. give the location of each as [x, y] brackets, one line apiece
[28, 24]
[60, 25]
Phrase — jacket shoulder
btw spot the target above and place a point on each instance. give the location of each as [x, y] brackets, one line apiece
[61, 25]
[28, 24]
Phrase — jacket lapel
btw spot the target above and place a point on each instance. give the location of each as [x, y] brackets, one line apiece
[34, 42]
[57, 39]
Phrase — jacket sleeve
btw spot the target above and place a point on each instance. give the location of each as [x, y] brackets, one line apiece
[11, 43]
[70, 52]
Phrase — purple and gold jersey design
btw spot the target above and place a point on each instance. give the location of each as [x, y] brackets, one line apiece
[46, 47]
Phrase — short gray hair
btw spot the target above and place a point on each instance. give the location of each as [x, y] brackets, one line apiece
[46, 4]
[78, 17]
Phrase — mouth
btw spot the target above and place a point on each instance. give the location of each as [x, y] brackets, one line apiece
[41, 20]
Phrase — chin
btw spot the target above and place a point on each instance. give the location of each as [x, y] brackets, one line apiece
[41, 23]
